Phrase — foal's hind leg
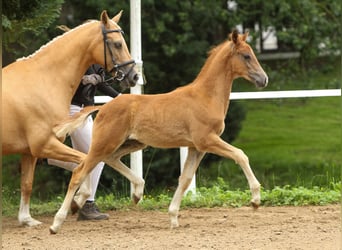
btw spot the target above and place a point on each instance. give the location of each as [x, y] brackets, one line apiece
[115, 163]
[81, 195]
[191, 164]
[138, 183]
[78, 177]
[28, 164]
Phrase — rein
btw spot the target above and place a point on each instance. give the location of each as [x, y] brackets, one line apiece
[119, 74]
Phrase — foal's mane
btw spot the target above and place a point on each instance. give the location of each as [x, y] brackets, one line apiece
[225, 51]
[55, 39]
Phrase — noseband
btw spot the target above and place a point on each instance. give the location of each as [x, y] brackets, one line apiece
[119, 74]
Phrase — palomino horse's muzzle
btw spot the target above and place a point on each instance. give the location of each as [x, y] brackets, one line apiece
[122, 72]
[126, 79]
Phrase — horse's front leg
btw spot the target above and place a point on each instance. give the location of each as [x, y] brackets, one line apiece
[28, 164]
[191, 164]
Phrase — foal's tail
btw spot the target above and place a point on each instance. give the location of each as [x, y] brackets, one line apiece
[70, 124]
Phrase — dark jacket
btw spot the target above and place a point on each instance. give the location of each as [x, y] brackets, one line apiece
[85, 94]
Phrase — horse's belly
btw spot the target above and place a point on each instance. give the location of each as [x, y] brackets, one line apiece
[12, 138]
[12, 134]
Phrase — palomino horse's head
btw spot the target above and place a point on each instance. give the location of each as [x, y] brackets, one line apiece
[244, 62]
[117, 59]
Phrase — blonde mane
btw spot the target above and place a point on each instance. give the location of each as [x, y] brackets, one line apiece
[54, 40]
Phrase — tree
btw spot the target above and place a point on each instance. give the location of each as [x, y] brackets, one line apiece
[311, 27]
[26, 18]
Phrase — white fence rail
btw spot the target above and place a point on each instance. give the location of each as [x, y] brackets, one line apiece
[248, 95]
[285, 94]
[264, 94]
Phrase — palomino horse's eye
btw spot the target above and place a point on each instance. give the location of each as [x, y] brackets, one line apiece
[118, 45]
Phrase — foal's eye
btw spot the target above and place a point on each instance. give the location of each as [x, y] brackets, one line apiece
[118, 45]
[246, 56]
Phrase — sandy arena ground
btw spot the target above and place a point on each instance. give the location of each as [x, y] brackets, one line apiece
[311, 227]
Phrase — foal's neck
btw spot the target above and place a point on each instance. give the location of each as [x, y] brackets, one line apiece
[215, 78]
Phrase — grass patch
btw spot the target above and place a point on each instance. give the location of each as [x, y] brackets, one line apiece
[296, 139]
[307, 130]
[219, 195]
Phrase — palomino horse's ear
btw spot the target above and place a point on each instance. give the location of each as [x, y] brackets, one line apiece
[63, 28]
[244, 36]
[104, 17]
[117, 17]
[234, 36]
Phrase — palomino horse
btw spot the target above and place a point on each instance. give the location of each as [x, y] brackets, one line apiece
[191, 116]
[37, 91]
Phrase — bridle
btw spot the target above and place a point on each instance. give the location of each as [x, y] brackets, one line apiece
[119, 74]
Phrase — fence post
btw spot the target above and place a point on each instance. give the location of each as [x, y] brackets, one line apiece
[136, 159]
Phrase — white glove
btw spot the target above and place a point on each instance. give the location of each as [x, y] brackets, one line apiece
[91, 79]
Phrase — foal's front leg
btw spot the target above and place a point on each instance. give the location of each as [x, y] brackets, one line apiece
[215, 145]
[191, 164]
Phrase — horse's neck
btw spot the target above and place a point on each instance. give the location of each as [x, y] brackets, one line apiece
[63, 62]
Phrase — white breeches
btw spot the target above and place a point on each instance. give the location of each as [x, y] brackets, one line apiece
[81, 140]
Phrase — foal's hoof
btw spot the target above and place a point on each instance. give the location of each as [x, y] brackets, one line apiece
[74, 207]
[52, 231]
[255, 205]
[135, 199]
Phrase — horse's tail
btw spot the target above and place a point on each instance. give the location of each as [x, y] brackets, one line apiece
[70, 124]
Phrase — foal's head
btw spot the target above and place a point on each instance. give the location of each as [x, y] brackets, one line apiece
[113, 52]
[244, 62]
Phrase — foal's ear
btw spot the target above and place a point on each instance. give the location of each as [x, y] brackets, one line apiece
[117, 17]
[104, 17]
[244, 36]
[234, 36]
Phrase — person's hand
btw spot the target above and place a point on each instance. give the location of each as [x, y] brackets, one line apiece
[91, 79]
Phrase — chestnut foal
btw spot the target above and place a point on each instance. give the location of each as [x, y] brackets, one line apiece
[190, 116]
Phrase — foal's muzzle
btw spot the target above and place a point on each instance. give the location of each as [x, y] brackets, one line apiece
[260, 80]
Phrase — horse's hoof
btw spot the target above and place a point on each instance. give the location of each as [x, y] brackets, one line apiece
[74, 207]
[135, 199]
[30, 222]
